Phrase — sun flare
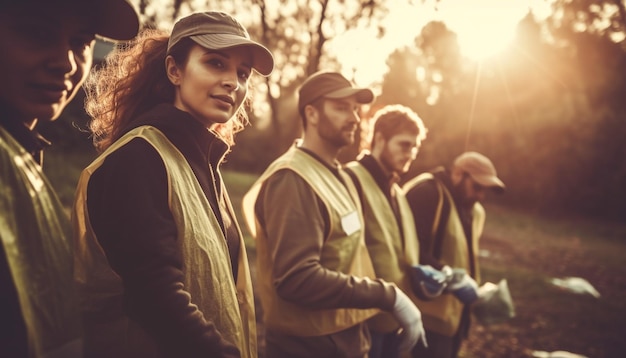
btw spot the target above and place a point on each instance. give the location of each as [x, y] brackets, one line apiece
[483, 27]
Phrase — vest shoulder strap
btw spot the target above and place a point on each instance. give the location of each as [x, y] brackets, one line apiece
[439, 209]
[422, 178]
[357, 183]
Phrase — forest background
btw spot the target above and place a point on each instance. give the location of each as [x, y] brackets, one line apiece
[548, 107]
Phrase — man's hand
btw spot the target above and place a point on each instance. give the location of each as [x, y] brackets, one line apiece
[428, 282]
[463, 286]
[410, 319]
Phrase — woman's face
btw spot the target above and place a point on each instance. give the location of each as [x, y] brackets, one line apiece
[213, 84]
[46, 56]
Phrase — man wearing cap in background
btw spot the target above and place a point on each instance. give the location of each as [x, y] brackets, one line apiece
[449, 219]
[315, 275]
[47, 53]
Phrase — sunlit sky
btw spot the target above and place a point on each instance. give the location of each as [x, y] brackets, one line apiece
[483, 28]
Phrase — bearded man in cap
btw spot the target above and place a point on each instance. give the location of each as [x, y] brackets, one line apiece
[316, 279]
[47, 54]
[449, 220]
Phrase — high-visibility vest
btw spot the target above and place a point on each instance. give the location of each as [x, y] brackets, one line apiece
[443, 314]
[393, 249]
[36, 234]
[344, 249]
[207, 270]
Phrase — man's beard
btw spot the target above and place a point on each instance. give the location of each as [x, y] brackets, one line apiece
[462, 197]
[386, 159]
[333, 135]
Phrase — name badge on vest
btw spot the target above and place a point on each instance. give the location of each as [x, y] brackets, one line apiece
[350, 223]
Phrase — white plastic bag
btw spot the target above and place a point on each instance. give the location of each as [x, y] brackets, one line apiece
[494, 304]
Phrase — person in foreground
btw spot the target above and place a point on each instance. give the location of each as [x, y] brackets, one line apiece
[449, 219]
[396, 135]
[316, 280]
[161, 264]
[47, 53]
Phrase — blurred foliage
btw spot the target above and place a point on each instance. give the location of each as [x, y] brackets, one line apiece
[238, 184]
[550, 110]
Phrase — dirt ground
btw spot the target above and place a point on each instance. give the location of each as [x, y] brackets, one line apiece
[540, 323]
[501, 340]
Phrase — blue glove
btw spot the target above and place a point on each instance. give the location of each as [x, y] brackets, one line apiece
[463, 286]
[427, 282]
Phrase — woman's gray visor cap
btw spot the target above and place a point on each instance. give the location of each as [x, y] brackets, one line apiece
[216, 30]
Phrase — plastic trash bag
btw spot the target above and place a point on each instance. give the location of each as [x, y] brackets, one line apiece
[556, 354]
[576, 285]
[494, 304]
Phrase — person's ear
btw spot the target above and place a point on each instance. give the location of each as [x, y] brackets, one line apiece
[311, 115]
[378, 143]
[379, 140]
[172, 70]
[456, 175]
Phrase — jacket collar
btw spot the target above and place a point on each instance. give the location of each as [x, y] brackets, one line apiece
[33, 142]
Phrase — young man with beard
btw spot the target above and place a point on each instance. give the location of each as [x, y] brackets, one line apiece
[316, 280]
[396, 136]
[449, 219]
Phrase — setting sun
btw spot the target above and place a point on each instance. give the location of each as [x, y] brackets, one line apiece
[483, 27]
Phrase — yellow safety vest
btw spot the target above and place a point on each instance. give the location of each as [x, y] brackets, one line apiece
[343, 251]
[443, 314]
[36, 234]
[207, 270]
[392, 251]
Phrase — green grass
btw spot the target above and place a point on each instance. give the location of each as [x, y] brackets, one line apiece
[63, 167]
[238, 184]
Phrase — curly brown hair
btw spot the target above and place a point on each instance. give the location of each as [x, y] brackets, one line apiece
[132, 81]
[392, 120]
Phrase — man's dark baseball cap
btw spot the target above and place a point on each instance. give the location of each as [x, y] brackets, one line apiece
[330, 85]
[216, 30]
[113, 20]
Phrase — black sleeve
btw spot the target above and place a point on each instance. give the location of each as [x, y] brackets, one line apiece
[13, 336]
[129, 213]
[423, 200]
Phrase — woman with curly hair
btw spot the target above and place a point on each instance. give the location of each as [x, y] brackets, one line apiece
[160, 260]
